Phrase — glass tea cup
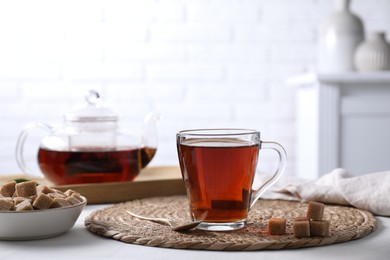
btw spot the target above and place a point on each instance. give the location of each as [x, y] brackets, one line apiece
[218, 168]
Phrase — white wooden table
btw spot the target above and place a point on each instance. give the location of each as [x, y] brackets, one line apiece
[79, 243]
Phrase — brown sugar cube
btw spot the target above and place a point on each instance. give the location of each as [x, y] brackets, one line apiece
[300, 219]
[32, 199]
[59, 203]
[18, 200]
[77, 196]
[44, 189]
[315, 210]
[72, 200]
[26, 189]
[24, 205]
[6, 203]
[42, 201]
[319, 228]
[58, 191]
[55, 195]
[8, 189]
[69, 192]
[277, 226]
[301, 227]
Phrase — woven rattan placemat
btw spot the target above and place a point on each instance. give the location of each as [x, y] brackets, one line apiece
[346, 224]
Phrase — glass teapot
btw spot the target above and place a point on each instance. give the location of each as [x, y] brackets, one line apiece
[89, 148]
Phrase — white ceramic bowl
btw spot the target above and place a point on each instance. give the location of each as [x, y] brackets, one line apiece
[39, 224]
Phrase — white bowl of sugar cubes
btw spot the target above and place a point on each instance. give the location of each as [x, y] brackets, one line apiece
[31, 211]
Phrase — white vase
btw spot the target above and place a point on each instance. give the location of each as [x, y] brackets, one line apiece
[338, 39]
[373, 54]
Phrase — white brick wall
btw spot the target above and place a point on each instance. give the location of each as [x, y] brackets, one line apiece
[201, 63]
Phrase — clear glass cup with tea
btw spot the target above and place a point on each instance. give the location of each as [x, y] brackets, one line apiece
[218, 168]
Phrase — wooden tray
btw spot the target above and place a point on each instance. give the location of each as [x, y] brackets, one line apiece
[152, 181]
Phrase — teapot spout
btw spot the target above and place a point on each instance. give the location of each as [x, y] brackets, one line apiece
[150, 137]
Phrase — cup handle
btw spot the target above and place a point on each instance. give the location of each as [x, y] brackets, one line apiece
[278, 173]
[19, 151]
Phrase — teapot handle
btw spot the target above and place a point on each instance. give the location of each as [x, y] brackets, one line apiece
[19, 151]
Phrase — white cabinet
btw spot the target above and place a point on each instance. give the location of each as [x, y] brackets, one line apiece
[343, 120]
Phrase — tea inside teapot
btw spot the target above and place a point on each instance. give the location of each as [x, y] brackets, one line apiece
[89, 148]
[93, 166]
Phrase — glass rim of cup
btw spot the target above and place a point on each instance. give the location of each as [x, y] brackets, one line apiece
[218, 131]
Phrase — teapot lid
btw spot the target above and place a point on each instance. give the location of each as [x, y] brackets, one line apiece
[92, 112]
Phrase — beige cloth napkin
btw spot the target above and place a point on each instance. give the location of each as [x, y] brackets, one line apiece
[369, 192]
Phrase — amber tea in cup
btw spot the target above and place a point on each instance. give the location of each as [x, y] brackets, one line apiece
[218, 167]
